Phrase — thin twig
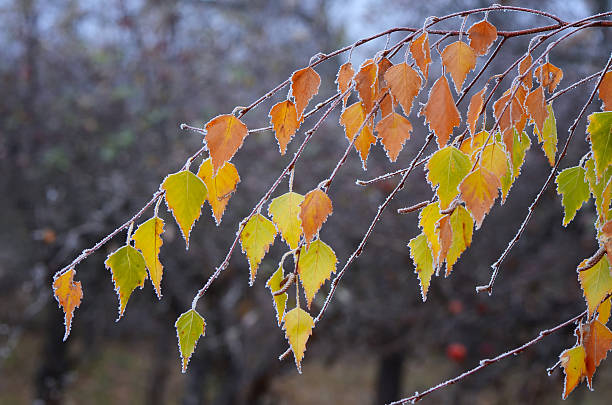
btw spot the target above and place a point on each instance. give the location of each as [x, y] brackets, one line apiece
[593, 260]
[413, 208]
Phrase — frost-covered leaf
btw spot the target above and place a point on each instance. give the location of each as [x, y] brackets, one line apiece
[316, 264]
[185, 194]
[574, 366]
[352, 119]
[597, 342]
[604, 311]
[520, 146]
[459, 59]
[283, 117]
[440, 111]
[428, 218]
[147, 239]
[600, 135]
[285, 211]
[405, 84]
[574, 189]
[482, 35]
[366, 84]
[224, 136]
[549, 76]
[462, 226]
[422, 257]
[596, 283]
[256, 238]
[298, 328]
[314, 211]
[509, 117]
[419, 48]
[220, 186]
[548, 137]
[343, 79]
[522, 68]
[280, 300]
[535, 104]
[190, 326]
[605, 91]
[446, 169]
[304, 86]
[68, 294]
[393, 131]
[474, 109]
[127, 266]
[601, 189]
[479, 190]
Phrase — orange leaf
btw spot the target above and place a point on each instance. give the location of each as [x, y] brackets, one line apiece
[304, 86]
[536, 107]
[605, 91]
[68, 294]
[365, 82]
[224, 136]
[386, 100]
[314, 211]
[445, 237]
[419, 48]
[549, 76]
[343, 79]
[597, 342]
[522, 68]
[459, 59]
[606, 237]
[510, 117]
[352, 118]
[475, 109]
[404, 83]
[440, 111]
[393, 130]
[220, 186]
[283, 117]
[479, 190]
[482, 34]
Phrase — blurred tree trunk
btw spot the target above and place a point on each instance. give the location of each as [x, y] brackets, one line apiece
[389, 377]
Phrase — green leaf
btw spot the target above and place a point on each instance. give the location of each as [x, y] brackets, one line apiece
[596, 283]
[298, 328]
[600, 134]
[189, 327]
[256, 237]
[127, 266]
[574, 190]
[316, 264]
[446, 169]
[422, 258]
[598, 189]
[548, 138]
[280, 301]
[284, 211]
[147, 240]
[185, 194]
[520, 146]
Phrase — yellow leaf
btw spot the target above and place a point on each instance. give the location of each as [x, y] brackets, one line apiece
[549, 76]
[190, 326]
[494, 159]
[127, 266]
[474, 110]
[596, 283]
[419, 48]
[446, 169]
[605, 91]
[280, 301]
[482, 35]
[316, 264]
[393, 131]
[428, 218]
[304, 86]
[314, 211]
[574, 365]
[479, 190]
[256, 238]
[68, 294]
[284, 211]
[283, 117]
[462, 227]
[298, 328]
[343, 79]
[459, 59]
[147, 240]
[224, 136]
[404, 84]
[440, 111]
[600, 135]
[422, 258]
[604, 311]
[185, 194]
[220, 186]
[352, 118]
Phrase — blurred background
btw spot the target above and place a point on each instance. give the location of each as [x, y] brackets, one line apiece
[93, 95]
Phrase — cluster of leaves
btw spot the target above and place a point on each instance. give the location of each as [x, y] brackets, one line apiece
[467, 174]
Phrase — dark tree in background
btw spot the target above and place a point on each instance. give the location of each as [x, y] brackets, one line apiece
[94, 93]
